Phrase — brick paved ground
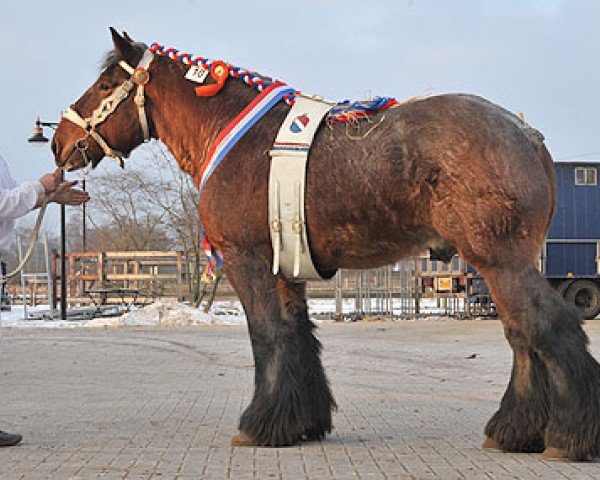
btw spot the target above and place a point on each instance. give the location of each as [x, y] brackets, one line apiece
[163, 403]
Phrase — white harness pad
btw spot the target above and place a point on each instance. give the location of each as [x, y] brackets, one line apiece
[287, 180]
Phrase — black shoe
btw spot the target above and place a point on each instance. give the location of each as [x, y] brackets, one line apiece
[9, 439]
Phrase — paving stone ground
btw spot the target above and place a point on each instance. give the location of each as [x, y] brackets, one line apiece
[163, 403]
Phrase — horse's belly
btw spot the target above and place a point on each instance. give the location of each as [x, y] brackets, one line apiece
[370, 243]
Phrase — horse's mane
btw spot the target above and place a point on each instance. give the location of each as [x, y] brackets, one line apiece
[250, 77]
[342, 112]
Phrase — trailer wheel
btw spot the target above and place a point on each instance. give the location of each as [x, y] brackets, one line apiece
[585, 295]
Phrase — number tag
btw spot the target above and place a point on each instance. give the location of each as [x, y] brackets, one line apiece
[197, 74]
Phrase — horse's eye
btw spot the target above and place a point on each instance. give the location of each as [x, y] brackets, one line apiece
[104, 86]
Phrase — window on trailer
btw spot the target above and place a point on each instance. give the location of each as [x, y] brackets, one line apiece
[586, 176]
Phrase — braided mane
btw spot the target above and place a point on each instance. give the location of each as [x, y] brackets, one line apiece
[342, 112]
[254, 79]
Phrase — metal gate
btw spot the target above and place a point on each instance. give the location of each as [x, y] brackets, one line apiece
[383, 292]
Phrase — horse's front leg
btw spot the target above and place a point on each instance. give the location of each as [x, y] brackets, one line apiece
[292, 399]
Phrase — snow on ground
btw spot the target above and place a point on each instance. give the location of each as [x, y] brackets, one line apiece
[168, 313]
[15, 317]
[161, 313]
[176, 314]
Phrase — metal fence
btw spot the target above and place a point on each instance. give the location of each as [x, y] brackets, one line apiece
[417, 287]
[383, 292]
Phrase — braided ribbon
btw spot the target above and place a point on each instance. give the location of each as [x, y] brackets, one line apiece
[343, 112]
[259, 82]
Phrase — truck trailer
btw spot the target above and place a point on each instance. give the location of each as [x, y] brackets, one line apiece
[570, 258]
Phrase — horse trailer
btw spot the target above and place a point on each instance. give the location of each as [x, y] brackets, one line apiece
[570, 258]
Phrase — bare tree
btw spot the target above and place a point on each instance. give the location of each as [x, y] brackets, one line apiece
[179, 202]
[154, 206]
[120, 215]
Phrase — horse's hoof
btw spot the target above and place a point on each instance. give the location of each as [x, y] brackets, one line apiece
[557, 454]
[491, 444]
[242, 440]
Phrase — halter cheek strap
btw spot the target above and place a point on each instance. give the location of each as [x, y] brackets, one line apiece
[139, 77]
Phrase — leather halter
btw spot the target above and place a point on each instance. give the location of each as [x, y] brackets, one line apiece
[138, 76]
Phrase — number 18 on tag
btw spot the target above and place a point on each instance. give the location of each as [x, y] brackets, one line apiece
[197, 74]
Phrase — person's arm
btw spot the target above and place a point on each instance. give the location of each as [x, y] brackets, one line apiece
[16, 202]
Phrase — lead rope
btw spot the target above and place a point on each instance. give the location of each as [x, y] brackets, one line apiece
[32, 243]
[32, 240]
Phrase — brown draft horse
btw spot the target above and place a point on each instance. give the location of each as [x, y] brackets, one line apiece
[448, 171]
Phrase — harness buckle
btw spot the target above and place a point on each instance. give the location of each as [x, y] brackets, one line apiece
[297, 227]
[139, 100]
[82, 144]
[276, 225]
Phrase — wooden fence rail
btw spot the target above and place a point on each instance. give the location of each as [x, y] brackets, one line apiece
[153, 273]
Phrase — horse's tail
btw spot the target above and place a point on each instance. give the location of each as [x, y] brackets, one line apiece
[548, 165]
[537, 140]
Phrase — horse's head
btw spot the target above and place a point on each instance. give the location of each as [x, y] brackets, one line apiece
[110, 118]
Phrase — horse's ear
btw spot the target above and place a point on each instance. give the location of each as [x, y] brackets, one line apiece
[127, 37]
[123, 46]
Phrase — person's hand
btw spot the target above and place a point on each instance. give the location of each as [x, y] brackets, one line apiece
[65, 194]
[51, 181]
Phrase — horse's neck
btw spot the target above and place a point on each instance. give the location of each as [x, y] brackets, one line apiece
[188, 125]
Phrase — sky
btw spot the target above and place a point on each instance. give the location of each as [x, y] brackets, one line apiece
[541, 57]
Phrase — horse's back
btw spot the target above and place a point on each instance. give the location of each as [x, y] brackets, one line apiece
[454, 162]
[457, 131]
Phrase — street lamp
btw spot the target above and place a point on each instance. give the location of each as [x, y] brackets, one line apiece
[38, 132]
[39, 139]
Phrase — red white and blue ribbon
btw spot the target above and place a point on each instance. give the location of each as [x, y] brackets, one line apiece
[240, 125]
[215, 259]
[271, 92]
[227, 139]
[347, 111]
[254, 79]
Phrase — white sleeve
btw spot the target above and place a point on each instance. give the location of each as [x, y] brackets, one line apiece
[16, 202]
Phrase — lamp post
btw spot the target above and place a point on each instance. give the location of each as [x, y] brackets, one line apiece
[38, 131]
[38, 138]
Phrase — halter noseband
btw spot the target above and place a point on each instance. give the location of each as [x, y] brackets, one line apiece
[140, 77]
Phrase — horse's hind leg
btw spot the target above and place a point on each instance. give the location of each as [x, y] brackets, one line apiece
[554, 393]
[519, 423]
[292, 399]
